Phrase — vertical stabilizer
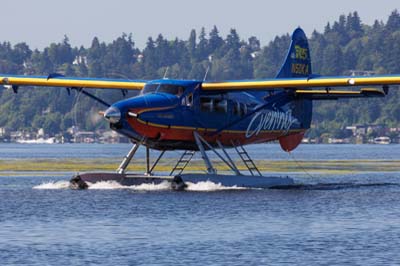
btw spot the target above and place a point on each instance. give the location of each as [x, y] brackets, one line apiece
[298, 61]
[297, 65]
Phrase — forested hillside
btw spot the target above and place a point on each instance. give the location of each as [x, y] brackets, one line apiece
[345, 46]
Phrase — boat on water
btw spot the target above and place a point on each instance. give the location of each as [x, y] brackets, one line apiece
[37, 141]
[382, 140]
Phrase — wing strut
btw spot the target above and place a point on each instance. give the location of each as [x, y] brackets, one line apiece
[81, 90]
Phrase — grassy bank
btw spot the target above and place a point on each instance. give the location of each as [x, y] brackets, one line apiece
[84, 165]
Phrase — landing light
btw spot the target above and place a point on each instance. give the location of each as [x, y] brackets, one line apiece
[132, 114]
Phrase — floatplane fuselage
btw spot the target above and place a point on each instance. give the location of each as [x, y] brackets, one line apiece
[169, 112]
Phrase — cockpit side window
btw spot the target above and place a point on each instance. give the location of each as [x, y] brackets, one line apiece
[189, 101]
[171, 89]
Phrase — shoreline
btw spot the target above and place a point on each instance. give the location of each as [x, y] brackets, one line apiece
[110, 164]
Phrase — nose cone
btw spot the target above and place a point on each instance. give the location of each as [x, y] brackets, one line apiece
[113, 115]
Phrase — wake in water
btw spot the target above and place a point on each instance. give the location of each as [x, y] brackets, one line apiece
[53, 185]
[103, 185]
[204, 186]
[209, 186]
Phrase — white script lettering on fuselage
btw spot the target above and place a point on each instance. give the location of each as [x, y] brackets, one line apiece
[271, 120]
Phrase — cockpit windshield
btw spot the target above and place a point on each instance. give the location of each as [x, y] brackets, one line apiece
[150, 88]
[166, 88]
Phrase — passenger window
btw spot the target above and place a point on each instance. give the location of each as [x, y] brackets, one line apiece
[243, 109]
[206, 104]
[213, 104]
[221, 106]
[236, 108]
[239, 109]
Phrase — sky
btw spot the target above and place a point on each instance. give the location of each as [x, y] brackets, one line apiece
[41, 22]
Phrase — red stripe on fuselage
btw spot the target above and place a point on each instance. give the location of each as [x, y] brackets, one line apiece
[181, 133]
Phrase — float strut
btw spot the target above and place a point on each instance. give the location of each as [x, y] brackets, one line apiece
[210, 169]
[156, 162]
[232, 165]
[147, 160]
[127, 159]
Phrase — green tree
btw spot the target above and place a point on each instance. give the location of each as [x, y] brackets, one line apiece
[202, 46]
[393, 23]
[215, 42]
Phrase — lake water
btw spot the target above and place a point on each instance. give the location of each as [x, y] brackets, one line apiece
[351, 219]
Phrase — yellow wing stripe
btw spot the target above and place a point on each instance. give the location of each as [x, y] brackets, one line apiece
[303, 83]
[79, 83]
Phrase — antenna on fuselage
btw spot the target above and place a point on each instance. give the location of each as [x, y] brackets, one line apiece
[205, 75]
[208, 67]
[166, 72]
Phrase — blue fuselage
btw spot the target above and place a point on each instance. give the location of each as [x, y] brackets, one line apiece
[167, 112]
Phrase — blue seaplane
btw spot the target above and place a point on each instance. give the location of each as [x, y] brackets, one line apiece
[201, 116]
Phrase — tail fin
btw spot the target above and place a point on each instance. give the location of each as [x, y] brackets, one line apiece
[297, 65]
[298, 60]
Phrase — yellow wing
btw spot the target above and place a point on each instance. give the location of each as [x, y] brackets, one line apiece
[296, 83]
[60, 81]
[305, 87]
